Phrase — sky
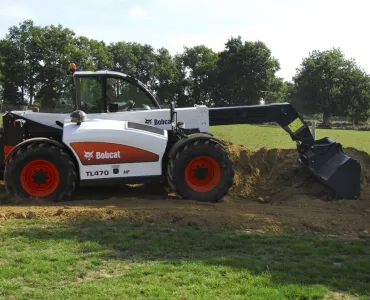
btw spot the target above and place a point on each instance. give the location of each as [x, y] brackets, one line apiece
[291, 29]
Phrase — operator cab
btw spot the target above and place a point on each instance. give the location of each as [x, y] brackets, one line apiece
[99, 92]
[106, 91]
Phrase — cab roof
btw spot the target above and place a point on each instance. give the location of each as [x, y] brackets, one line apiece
[101, 72]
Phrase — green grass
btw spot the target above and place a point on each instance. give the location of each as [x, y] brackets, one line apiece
[115, 259]
[256, 137]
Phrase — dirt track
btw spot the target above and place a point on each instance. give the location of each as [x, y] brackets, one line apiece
[271, 193]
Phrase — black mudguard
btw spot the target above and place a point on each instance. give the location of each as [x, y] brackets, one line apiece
[190, 138]
[30, 141]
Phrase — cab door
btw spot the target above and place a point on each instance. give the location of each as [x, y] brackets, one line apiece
[90, 94]
[124, 95]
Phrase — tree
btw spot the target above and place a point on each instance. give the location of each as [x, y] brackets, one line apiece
[356, 95]
[164, 75]
[133, 59]
[11, 72]
[17, 59]
[245, 72]
[91, 55]
[278, 91]
[34, 61]
[156, 69]
[324, 84]
[58, 46]
[200, 64]
[181, 83]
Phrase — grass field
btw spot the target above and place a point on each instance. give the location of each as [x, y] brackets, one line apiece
[275, 137]
[105, 260]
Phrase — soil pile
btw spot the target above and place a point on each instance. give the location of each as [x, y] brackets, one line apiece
[275, 175]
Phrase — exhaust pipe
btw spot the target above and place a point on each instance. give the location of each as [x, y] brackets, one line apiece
[327, 161]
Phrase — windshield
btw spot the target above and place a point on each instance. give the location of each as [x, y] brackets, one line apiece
[123, 93]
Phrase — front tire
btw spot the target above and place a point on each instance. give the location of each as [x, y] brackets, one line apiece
[41, 170]
[202, 171]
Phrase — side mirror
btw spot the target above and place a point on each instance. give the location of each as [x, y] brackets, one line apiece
[113, 107]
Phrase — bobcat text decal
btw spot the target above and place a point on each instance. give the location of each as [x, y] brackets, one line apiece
[99, 153]
[102, 155]
[158, 121]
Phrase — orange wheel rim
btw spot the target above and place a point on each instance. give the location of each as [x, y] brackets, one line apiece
[202, 174]
[39, 178]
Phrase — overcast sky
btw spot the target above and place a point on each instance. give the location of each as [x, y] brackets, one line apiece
[291, 29]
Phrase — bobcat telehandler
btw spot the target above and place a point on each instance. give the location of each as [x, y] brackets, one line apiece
[116, 131]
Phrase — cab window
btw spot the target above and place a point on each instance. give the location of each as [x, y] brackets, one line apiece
[91, 94]
[127, 95]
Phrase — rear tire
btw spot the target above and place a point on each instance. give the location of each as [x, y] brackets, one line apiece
[202, 171]
[41, 170]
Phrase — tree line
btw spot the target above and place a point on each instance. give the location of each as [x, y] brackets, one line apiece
[34, 62]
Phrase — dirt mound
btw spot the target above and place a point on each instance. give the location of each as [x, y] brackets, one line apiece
[364, 159]
[266, 175]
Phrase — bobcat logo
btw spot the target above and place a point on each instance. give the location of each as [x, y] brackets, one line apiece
[89, 155]
[148, 121]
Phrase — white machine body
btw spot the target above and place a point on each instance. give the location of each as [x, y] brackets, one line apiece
[117, 149]
[196, 117]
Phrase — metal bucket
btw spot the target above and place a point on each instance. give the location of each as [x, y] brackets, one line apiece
[327, 161]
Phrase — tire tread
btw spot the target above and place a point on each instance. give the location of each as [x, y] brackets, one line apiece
[225, 164]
